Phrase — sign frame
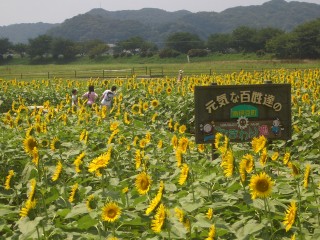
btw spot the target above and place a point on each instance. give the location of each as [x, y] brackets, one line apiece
[242, 112]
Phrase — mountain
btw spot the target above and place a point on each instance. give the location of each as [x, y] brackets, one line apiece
[156, 24]
[20, 33]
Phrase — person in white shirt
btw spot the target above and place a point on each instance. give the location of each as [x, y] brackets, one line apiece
[74, 98]
[107, 96]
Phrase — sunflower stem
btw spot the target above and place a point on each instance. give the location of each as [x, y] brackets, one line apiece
[267, 210]
[316, 198]
[299, 208]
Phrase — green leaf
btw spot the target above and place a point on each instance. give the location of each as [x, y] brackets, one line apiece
[86, 222]
[27, 227]
[77, 210]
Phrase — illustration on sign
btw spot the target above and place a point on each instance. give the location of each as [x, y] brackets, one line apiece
[242, 129]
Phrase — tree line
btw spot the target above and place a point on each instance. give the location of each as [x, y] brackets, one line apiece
[301, 42]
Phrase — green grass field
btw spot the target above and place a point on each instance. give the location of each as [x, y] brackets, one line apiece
[84, 67]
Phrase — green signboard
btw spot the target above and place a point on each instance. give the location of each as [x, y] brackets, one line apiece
[243, 112]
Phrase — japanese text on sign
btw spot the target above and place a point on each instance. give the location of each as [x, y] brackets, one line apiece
[243, 97]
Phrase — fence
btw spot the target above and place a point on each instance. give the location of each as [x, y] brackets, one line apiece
[140, 72]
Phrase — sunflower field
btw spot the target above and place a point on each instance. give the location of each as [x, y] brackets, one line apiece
[135, 172]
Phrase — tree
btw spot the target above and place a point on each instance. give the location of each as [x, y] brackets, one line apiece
[184, 41]
[5, 45]
[94, 48]
[63, 47]
[283, 46]
[21, 49]
[39, 46]
[136, 45]
[264, 35]
[243, 39]
[219, 42]
[308, 39]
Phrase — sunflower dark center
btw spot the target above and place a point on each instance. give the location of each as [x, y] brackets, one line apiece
[144, 184]
[262, 185]
[111, 213]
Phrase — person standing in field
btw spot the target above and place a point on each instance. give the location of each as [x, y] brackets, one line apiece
[90, 95]
[107, 97]
[74, 98]
[180, 76]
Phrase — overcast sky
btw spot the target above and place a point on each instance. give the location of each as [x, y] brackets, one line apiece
[56, 11]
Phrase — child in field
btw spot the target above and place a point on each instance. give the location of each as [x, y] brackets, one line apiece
[180, 76]
[74, 98]
[107, 96]
[90, 95]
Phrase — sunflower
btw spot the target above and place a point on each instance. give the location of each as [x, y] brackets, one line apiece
[260, 185]
[174, 141]
[55, 144]
[145, 106]
[275, 156]
[263, 156]
[138, 158]
[227, 163]
[183, 144]
[143, 143]
[73, 192]
[91, 202]
[290, 216]
[183, 174]
[125, 190]
[143, 182]
[135, 109]
[169, 90]
[159, 219]
[248, 162]
[217, 140]
[8, 179]
[35, 156]
[110, 212]
[100, 162]
[154, 103]
[154, 117]
[30, 204]
[182, 128]
[160, 144]
[295, 168]
[156, 200]
[258, 143]
[114, 126]
[57, 172]
[126, 118]
[212, 232]
[179, 214]
[201, 148]
[209, 213]
[179, 157]
[286, 158]
[44, 143]
[170, 123]
[306, 176]
[29, 144]
[78, 162]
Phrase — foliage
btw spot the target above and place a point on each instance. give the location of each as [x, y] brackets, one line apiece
[168, 53]
[197, 52]
[40, 46]
[71, 200]
[183, 42]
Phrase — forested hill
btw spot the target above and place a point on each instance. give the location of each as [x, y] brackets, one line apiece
[155, 24]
